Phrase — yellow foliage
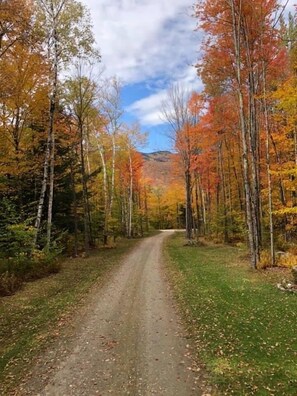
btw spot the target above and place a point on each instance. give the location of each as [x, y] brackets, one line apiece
[287, 260]
[265, 260]
[286, 211]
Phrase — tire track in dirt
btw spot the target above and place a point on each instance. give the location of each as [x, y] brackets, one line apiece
[129, 341]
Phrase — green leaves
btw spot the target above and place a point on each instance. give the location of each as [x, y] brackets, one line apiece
[66, 29]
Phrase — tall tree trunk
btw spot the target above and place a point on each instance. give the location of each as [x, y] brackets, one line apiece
[203, 206]
[238, 183]
[189, 215]
[140, 212]
[236, 25]
[230, 193]
[124, 214]
[53, 103]
[218, 196]
[269, 181]
[281, 183]
[50, 147]
[197, 206]
[146, 210]
[253, 138]
[49, 160]
[72, 175]
[43, 189]
[221, 167]
[52, 174]
[106, 196]
[130, 197]
[112, 187]
[85, 192]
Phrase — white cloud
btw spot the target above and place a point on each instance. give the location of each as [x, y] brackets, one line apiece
[141, 39]
[148, 110]
[151, 42]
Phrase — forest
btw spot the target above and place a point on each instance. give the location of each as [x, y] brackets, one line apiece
[237, 139]
[72, 175]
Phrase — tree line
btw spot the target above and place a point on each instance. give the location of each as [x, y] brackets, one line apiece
[71, 176]
[237, 139]
[70, 171]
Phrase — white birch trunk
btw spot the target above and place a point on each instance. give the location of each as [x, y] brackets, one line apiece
[112, 171]
[105, 191]
[52, 143]
[43, 190]
[130, 196]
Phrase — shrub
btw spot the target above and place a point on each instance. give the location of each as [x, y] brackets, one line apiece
[288, 260]
[265, 260]
[283, 259]
[17, 240]
[9, 283]
[16, 270]
[18, 261]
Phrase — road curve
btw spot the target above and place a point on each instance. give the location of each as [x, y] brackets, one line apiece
[129, 340]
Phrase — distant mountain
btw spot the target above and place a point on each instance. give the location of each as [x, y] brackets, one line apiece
[158, 167]
[159, 156]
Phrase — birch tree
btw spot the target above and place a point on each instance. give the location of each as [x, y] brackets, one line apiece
[176, 112]
[66, 30]
[80, 97]
[111, 112]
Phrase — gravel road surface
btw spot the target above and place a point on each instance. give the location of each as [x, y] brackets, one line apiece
[128, 340]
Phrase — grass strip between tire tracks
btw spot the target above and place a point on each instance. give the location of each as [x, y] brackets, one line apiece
[33, 317]
[243, 328]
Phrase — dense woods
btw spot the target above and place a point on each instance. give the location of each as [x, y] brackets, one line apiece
[70, 172]
[237, 139]
[245, 64]
[71, 175]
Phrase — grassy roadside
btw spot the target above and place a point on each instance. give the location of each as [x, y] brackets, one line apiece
[33, 316]
[244, 329]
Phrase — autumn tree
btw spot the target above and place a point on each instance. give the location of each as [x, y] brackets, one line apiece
[129, 166]
[66, 29]
[23, 100]
[240, 37]
[111, 111]
[176, 112]
[80, 96]
[16, 24]
[283, 137]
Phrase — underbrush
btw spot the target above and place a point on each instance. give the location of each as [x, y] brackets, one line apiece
[14, 271]
[18, 262]
[282, 259]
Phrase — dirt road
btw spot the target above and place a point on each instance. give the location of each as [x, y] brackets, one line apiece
[128, 340]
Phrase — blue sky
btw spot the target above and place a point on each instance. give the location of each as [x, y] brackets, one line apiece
[149, 45]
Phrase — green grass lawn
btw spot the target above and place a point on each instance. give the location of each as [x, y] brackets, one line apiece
[34, 316]
[244, 329]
